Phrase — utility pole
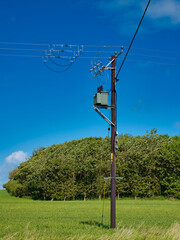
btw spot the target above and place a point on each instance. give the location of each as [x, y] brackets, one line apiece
[101, 101]
[113, 142]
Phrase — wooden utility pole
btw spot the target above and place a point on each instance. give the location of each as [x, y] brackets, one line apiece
[113, 142]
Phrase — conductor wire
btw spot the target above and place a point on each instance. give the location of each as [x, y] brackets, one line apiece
[55, 70]
[133, 38]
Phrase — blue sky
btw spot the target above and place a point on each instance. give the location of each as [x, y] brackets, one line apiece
[40, 107]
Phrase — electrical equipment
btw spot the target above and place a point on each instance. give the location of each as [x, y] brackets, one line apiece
[101, 99]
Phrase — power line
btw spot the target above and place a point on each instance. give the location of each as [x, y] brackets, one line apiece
[91, 57]
[28, 44]
[55, 70]
[59, 65]
[70, 51]
[133, 38]
[54, 50]
[98, 46]
[18, 55]
[84, 51]
[64, 57]
[58, 45]
[36, 56]
[22, 49]
[130, 60]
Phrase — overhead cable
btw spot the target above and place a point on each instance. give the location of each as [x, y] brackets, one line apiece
[64, 57]
[32, 44]
[55, 70]
[130, 60]
[48, 44]
[23, 49]
[57, 64]
[133, 38]
[19, 55]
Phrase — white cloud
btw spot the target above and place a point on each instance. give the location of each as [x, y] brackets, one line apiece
[17, 157]
[10, 163]
[127, 13]
[165, 9]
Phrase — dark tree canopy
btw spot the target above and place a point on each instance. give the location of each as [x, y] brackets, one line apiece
[149, 165]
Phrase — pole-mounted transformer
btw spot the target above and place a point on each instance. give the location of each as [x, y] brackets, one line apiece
[100, 99]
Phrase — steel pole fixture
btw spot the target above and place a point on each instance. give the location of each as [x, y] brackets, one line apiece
[113, 142]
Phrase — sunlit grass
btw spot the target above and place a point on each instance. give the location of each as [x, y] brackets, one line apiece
[136, 219]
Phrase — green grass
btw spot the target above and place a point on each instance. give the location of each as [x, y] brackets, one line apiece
[136, 219]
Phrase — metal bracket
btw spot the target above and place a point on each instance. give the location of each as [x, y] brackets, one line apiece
[99, 68]
[103, 116]
[104, 106]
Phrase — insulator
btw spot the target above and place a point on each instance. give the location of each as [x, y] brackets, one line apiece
[116, 146]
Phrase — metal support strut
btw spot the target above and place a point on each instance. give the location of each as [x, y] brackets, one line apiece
[103, 116]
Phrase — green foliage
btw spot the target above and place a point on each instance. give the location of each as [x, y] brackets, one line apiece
[13, 173]
[149, 165]
[15, 188]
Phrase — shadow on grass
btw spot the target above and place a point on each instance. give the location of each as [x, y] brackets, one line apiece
[95, 223]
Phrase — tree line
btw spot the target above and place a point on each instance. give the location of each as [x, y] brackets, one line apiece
[149, 166]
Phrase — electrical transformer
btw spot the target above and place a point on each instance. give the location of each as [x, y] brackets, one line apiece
[101, 99]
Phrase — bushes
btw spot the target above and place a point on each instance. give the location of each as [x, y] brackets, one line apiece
[15, 188]
[149, 165]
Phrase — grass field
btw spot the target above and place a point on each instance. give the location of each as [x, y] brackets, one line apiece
[136, 219]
